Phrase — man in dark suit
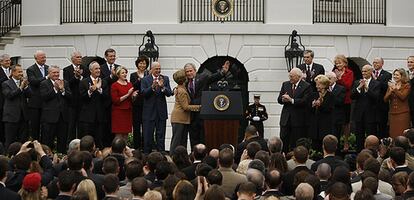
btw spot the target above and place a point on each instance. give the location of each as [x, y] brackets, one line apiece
[5, 63]
[5, 193]
[250, 135]
[196, 84]
[15, 91]
[198, 154]
[300, 155]
[329, 146]
[398, 161]
[109, 75]
[338, 92]
[155, 87]
[366, 92]
[73, 74]
[55, 94]
[67, 185]
[94, 94]
[294, 96]
[310, 68]
[410, 72]
[36, 74]
[383, 77]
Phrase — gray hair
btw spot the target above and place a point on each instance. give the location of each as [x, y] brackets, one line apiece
[190, 65]
[304, 191]
[309, 51]
[255, 176]
[379, 58]
[331, 75]
[296, 71]
[4, 57]
[74, 144]
[369, 67]
[323, 171]
[155, 63]
[275, 144]
[53, 67]
[38, 52]
[91, 65]
[75, 53]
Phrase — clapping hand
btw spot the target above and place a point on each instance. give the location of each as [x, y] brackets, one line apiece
[361, 84]
[60, 84]
[161, 82]
[391, 85]
[286, 98]
[338, 74]
[23, 83]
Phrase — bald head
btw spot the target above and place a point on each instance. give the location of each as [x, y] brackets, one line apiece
[275, 144]
[332, 77]
[40, 57]
[214, 153]
[255, 176]
[372, 142]
[324, 171]
[304, 191]
[295, 75]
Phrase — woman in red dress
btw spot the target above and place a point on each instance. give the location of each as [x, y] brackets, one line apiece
[122, 94]
[345, 77]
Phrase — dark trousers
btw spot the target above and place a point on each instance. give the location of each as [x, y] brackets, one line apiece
[15, 132]
[259, 127]
[93, 129]
[58, 130]
[34, 121]
[196, 129]
[107, 135]
[363, 129]
[2, 132]
[338, 130]
[137, 127]
[179, 137]
[149, 127]
[289, 136]
[383, 127]
[73, 126]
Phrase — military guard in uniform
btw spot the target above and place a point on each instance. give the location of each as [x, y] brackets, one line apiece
[256, 114]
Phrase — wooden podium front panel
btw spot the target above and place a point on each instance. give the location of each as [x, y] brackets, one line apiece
[218, 132]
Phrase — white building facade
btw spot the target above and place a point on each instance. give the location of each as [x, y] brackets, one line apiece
[259, 46]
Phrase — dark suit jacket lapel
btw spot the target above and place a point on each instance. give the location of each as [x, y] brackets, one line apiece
[12, 84]
[37, 70]
[299, 88]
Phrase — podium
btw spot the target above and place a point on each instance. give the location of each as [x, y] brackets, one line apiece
[221, 111]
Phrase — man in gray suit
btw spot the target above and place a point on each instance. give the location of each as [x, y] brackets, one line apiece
[15, 92]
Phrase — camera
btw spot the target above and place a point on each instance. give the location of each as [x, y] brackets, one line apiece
[386, 141]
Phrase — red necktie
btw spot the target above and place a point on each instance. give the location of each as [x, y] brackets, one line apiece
[293, 89]
[191, 87]
[376, 74]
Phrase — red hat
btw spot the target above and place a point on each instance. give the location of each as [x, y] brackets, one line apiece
[31, 182]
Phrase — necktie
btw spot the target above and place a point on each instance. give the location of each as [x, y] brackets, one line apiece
[18, 83]
[191, 87]
[293, 89]
[308, 73]
[330, 88]
[42, 69]
[110, 68]
[376, 74]
[95, 82]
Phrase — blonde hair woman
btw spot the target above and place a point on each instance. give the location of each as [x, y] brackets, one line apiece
[397, 96]
[87, 186]
[180, 115]
[322, 107]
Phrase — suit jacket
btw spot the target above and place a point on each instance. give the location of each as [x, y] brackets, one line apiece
[93, 106]
[288, 179]
[411, 96]
[5, 193]
[105, 72]
[3, 77]
[68, 75]
[316, 70]
[155, 103]
[295, 113]
[15, 104]
[54, 104]
[338, 114]
[402, 169]
[332, 161]
[181, 111]
[383, 78]
[136, 82]
[365, 107]
[201, 83]
[230, 180]
[35, 77]
[321, 117]
[190, 171]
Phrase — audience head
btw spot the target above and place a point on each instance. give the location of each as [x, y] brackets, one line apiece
[139, 186]
[378, 63]
[163, 169]
[184, 190]
[252, 148]
[330, 143]
[32, 182]
[212, 162]
[169, 184]
[372, 142]
[372, 164]
[22, 161]
[338, 191]
[111, 184]
[152, 195]
[278, 161]
[257, 164]
[214, 177]
[152, 160]
[133, 169]
[110, 165]
[332, 77]
[361, 158]
[74, 145]
[118, 145]
[409, 133]
[199, 151]
[399, 182]
[203, 169]
[410, 62]
[76, 58]
[304, 191]
[364, 195]
[66, 181]
[246, 191]
[87, 143]
[75, 160]
[264, 157]
[401, 141]
[275, 144]
[180, 157]
[273, 179]
[89, 188]
[17, 72]
[255, 176]
[371, 184]
[14, 148]
[315, 183]
[214, 153]
[397, 156]
[3, 168]
[300, 154]
[323, 171]
[250, 131]
[226, 157]
[214, 192]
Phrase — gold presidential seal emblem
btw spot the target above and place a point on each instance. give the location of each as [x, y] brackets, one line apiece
[222, 8]
[221, 102]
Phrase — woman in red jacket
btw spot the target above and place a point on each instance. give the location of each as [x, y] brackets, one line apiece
[122, 94]
[345, 78]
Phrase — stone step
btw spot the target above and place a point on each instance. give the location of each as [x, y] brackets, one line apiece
[13, 33]
[7, 40]
[2, 46]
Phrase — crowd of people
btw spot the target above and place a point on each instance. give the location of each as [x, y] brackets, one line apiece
[67, 138]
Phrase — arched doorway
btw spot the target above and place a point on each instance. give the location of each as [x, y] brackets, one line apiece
[241, 78]
[356, 64]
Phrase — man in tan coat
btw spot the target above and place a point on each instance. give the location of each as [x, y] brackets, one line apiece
[230, 178]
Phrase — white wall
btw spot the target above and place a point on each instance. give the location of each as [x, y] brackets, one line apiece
[40, 12]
